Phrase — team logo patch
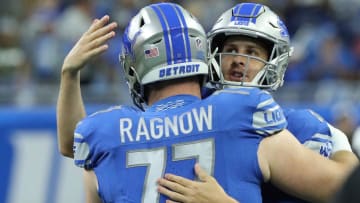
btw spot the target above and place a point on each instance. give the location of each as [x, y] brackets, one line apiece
[151, 53]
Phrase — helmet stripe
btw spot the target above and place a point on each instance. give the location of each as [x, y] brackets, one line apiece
[255, 13]
[246, 12]
[171, 22]
[185, 34]
[235, 12]
[165, 30]
[176, 33]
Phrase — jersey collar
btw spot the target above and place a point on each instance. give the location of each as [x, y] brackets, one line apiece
[173, 102]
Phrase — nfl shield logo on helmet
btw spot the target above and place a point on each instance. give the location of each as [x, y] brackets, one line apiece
[151, 53]
[198, 43]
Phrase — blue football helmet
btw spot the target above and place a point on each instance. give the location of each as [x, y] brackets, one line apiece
[162, 42]
[255, 21]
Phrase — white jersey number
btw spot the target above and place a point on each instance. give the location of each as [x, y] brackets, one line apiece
[155, 161]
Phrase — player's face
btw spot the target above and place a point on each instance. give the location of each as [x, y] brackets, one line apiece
[241, 68]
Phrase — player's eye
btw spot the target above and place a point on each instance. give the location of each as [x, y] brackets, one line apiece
[230, 50]
[252, 52]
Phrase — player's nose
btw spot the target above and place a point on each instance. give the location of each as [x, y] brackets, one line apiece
[239, 60]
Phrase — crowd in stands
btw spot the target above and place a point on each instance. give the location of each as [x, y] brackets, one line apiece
[35, 35]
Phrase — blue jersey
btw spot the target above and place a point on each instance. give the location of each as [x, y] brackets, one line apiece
[313, 132]
[129, 149]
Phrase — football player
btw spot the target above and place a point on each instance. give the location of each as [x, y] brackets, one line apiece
[252, 49]
[164, 64]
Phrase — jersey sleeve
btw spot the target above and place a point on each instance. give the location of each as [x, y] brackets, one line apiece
[94, 136]
[306, 125]
[268, 116]
[315, 132]
[86, 148]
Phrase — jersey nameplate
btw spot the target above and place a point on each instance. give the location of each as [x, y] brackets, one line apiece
[195, 120]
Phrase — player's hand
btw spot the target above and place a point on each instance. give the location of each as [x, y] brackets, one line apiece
[180, 189]
[91, 44]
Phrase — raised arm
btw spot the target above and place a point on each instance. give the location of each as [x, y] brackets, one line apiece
[70, 107]
[300, 171]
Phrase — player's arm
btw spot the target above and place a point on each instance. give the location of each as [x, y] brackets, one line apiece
[90, 187]
[70, 107]
[300, 171]
[181, 189]
[341, 151]
[86, 152]
[334, 136]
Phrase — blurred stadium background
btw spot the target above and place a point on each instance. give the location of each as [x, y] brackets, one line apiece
[35, 36]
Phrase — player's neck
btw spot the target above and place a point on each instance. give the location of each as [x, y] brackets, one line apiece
[189, 87]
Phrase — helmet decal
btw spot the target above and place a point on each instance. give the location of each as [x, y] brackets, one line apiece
[244, 13]
[199, 44]
[151, 53]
